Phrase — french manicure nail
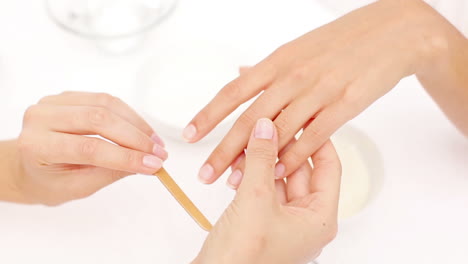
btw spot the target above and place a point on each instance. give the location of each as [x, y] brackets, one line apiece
[152, 162]
[206, 173]
[280, 169]
[189, 133]
[264, 129]
[234, 179]
[160, 152]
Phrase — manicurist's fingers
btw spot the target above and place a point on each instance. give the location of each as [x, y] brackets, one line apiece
[110, 102]
[75, 149]
[93, 120]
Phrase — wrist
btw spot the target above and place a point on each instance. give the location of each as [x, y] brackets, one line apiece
[10, 172]
[423, 33]
[432, 31]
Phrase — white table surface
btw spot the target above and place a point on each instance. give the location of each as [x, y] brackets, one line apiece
[419, 217]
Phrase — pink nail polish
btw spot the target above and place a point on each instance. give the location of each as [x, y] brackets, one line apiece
[156, 139]
[264, 129]
[206, 173]
[234, 179]
[280, 169]
[237, 161]
[189, 133]
[160, 152]
[152, 162]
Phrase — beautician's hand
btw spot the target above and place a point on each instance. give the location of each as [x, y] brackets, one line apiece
[273, 222]
[327, 76]
[58, 160]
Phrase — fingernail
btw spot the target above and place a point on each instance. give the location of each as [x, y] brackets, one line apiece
[160, 152]
[206, 173]
[156, 139]
[152, 162]
[280, 169]
[234, 179]
[237, 161]
[264, 129]
[189, 133]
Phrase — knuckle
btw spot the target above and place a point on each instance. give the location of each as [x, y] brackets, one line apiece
[45, 100]
[282, 126]
[281, 50]
[261, 191]
[292, 157]
[312, 132]
[31, 114]
[300, 73]
[264, 153]
[269, 66]
[88, 148]
[98, 116]
[143, 143]
[328, 81]
[131, 158]
[232, 91]
[105, 99]
[247, 120]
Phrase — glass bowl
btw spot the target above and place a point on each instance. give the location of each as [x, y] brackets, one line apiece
[116, 25]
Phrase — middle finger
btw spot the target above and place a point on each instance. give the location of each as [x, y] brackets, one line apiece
[89, 120]
[268, 105]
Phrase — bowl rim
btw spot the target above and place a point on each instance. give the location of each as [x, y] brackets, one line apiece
[94, 36]
[376, 168]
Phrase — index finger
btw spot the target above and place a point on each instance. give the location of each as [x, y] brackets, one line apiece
[110, 102]
[228, 99]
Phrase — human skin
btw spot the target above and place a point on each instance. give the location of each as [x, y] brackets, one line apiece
[323, 79]
[271, 221]
[54, 159]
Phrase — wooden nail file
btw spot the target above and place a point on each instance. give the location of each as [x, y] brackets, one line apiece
[183, 200]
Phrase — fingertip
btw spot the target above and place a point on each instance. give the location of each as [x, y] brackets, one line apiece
[160, 152]
[156, 139]
[280, 170]
[189, 133]
[152, 162]
[206, 174]
[234, 180]
[237, 161]
[264, 129]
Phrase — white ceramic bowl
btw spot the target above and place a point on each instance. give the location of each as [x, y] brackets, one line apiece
[363, 172]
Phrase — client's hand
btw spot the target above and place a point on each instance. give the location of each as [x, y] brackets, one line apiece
[58, 159]
[272, 221]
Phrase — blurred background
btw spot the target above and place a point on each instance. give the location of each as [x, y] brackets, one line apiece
[406, 169]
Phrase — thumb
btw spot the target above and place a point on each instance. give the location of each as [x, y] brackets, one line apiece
[261, 157]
